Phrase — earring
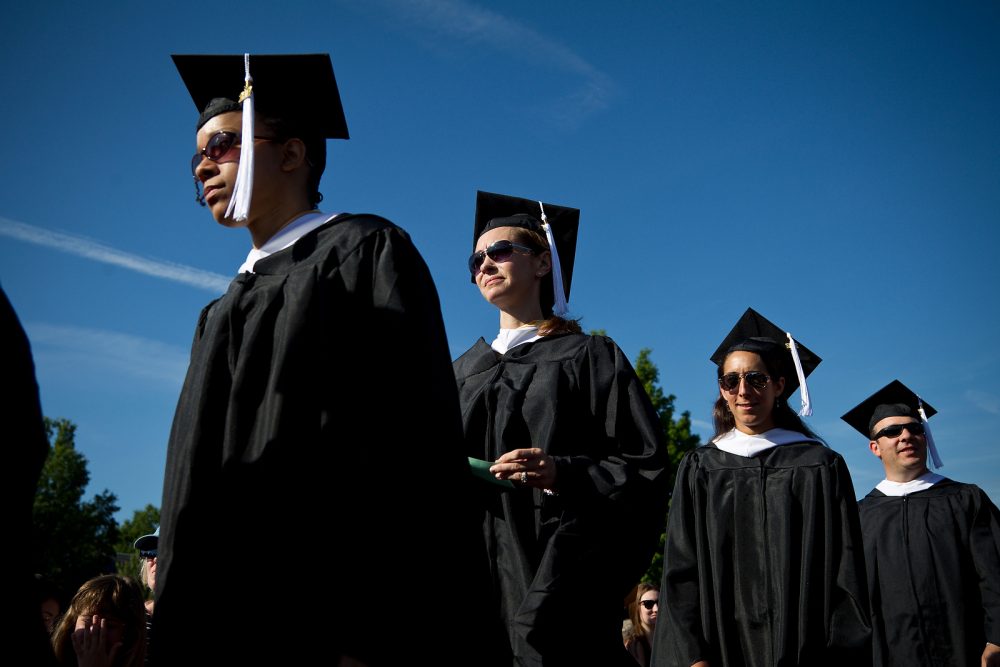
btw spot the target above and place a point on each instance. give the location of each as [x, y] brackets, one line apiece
[777, 403]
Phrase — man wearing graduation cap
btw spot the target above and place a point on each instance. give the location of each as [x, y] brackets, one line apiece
[564, 424]
[932, 545]
[293, 453]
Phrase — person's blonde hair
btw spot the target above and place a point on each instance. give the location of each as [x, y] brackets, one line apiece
[111, 596]
[550, 323]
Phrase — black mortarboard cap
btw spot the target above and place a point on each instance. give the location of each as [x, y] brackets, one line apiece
[893, 400]
[299, 89]
[495, 210]
[755, 333]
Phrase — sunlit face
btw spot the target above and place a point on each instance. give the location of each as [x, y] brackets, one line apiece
[753, 409]
[648, 616]
[219, 178]
[904, 456]
[151, 572]
[514, 281]
[112, 628]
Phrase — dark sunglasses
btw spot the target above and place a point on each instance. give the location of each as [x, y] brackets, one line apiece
[147, 555]
[896, 430]
[220, 148]
[756, 379]
[498, 252]
[649, 604]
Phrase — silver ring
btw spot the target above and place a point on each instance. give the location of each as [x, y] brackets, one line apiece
[524, 478]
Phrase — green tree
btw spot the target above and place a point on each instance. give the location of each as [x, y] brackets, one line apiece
[72, 539]
[143, 522]
[679, 438]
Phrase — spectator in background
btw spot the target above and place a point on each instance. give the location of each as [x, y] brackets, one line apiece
[105, 625]
[50, 600]
[147, 546]
[643, 611]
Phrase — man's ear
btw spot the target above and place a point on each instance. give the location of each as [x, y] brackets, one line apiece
[294, 155]
[873, 446]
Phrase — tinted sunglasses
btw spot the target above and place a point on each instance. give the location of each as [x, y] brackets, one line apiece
[499, 251]
[649, 604]
[221, 148]
[756, 379]
[147, 555]
[896, 430]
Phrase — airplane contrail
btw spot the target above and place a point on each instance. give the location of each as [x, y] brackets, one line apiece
[84, 247]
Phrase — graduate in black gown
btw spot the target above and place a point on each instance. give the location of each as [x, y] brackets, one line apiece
[763, 562]
[25, 448]
[573, 440]
[932, 545]
[292, 485]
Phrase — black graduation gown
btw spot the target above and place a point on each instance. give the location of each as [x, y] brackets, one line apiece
[563, 564]
[934, 574]
[316, 497]
[763, 562]
[25, 448]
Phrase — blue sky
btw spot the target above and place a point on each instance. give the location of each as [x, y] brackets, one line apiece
[833, 165]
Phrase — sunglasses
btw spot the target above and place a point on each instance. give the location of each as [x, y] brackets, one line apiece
[221, 147]
[498, 252]
[649, 604]
[147, 555]
[896, 430]
[756, 379]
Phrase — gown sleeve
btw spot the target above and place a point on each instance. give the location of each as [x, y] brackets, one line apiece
[626, 461]
[849, 632]
[985, 546]
[680, 634]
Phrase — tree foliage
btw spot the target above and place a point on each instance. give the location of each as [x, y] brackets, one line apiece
[72, 539]
[679, 438]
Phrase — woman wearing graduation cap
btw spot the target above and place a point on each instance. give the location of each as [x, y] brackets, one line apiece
[294, 431]
[763, 562]
[571, 439]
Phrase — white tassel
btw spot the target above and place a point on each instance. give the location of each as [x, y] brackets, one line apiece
[560, 307]
[806, 410]
[239, 203]
[927, 434]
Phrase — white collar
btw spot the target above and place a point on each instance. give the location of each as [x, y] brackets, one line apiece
[922, 483]
[746, 445]
[286, 236]
[511, 338]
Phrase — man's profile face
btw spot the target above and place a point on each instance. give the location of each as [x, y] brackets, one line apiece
[902, 453]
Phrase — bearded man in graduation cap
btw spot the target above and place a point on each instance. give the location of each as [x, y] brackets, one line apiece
[932, 545]
[291, 456]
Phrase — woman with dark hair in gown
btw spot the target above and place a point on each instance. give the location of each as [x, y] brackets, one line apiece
[763, 564]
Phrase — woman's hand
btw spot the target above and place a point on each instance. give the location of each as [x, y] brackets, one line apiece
[92, 643]
[527, 467]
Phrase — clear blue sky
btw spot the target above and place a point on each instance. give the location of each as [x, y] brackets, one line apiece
[834, 165]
